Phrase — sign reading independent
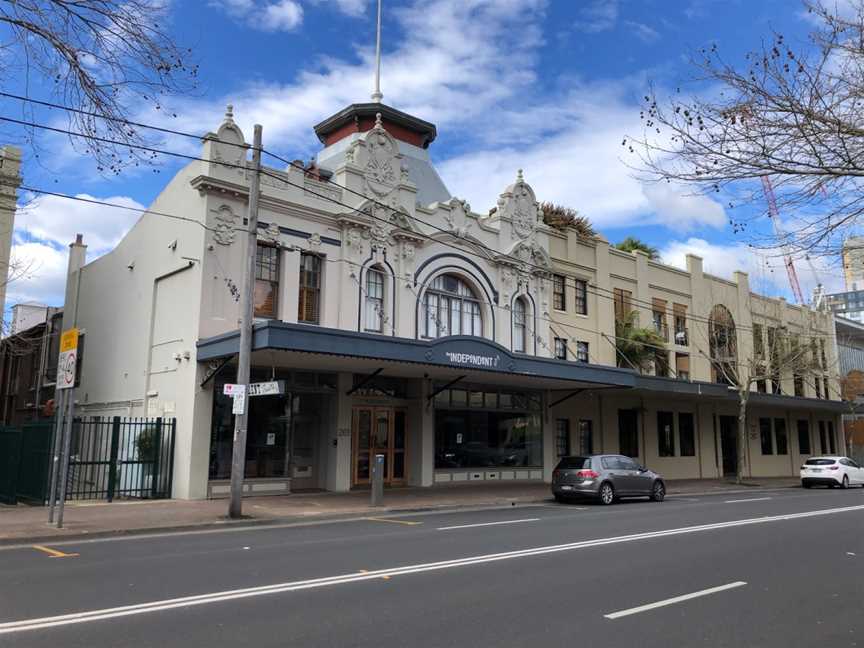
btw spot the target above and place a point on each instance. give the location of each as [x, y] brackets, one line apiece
[473, 359]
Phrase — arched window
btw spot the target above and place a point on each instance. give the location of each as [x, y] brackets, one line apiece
[450, 307]
[519, 325]
[374, 300]
[723, 345]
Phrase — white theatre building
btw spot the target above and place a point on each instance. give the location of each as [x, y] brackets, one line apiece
[463, 345]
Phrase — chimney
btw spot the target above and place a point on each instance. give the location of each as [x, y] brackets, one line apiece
[77, 254]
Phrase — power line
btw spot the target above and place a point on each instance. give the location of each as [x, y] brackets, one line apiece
[597, 291]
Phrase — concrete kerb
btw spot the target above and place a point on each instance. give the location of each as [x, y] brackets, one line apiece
[251, 523]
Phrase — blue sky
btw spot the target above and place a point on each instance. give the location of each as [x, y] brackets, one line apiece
[549, 86]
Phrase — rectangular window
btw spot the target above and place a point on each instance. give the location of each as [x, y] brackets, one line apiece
[466, 438]
[661, 363]
[761, 386]
[832, 447]
[765, 436]
[582, 352]
[679, 312]
[799, 385]
[758, 341]
[266, 280]
[686, 434]
[309, 303]
[622, 300]
[665, 434]
[559, 295]
[586, 436]
[374, 301]
[560, 348]
[682, 366]
[562, 437]
[628, 432]
[803, 436]
[780, 438]
[817, 386]
[822, 357]
[581, 297]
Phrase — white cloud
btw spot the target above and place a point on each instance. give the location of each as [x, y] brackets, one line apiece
[352, 7]
[57, 220]
[598, 16]
[282, 15]
[643, 32]
[40, 274]
[679, 209]
[766, 269]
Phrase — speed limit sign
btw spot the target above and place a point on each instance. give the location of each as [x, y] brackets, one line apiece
[68, 359]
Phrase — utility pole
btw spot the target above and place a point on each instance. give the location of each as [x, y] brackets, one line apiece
[247, 314]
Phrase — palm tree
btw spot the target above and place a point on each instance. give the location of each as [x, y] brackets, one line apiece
[636, 347]
[631, 243]
[564, 218]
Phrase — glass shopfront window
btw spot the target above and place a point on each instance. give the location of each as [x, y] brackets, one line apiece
[499, 429]
[283, 430]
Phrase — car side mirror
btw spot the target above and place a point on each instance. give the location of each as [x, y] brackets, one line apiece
[643, 469]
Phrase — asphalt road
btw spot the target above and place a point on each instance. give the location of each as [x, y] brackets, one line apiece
[779, 568]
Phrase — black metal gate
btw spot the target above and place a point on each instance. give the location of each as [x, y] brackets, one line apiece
[10, 449]
[121, 457]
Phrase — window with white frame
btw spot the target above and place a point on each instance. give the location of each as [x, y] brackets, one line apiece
[560, 348]
[374, 300]
[450, 307]
[582, 352]
[519, 325]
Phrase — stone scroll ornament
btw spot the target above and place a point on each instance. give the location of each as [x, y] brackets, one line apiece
[383, 166]
[519, 204]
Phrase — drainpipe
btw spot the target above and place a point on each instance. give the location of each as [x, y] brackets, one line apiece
[149, 363]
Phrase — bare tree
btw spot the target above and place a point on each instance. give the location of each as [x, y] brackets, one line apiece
[104, 58]
[786, 354]
[792, 112]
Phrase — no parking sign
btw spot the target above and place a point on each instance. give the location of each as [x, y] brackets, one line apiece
[68, 359]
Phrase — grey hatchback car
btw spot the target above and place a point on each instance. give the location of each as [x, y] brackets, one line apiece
[606, 478]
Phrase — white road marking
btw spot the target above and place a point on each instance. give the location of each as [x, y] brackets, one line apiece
[353, 577]
[484, 524]
[754, 499]
[673, 600]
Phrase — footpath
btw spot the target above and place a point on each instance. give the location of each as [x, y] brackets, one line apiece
[26, 524]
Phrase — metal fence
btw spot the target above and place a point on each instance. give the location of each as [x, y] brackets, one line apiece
[25, 459]
[121, 457]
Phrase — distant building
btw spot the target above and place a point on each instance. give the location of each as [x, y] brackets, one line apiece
[28, 370]
[27, 315]
[850, 357]
[848, 305]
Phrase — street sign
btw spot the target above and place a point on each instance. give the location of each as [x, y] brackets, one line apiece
[239, 405]
[68, 360]
[272, 388]
[233, 390]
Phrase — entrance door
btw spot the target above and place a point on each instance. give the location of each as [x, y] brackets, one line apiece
[379, 430]
[729, 444]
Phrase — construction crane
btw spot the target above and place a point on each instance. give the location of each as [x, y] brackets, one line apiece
[768, 190]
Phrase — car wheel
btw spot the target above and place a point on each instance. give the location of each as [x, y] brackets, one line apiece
[806, 485]
[658, 492]
[845, 482]
[607, 493]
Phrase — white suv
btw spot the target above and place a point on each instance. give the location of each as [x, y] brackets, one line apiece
[831, 472]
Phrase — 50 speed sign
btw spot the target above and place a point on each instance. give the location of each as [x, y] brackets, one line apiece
[68, 359]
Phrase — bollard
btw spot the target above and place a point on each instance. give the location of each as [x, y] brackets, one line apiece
[378, 480]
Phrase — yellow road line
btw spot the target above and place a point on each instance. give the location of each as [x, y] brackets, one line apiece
[405, 522]
[366, 571]
[54, 553]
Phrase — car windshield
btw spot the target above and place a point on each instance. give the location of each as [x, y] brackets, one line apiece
[819, 462]
[569, 463]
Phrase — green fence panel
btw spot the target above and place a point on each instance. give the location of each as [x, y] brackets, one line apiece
[34, 463]
[10, 447]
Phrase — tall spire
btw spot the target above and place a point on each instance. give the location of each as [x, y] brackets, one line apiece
[377, 96]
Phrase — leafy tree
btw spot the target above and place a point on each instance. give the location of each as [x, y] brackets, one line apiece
[636, 346]
[104, 58]
[791, 112]
[631, 243]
